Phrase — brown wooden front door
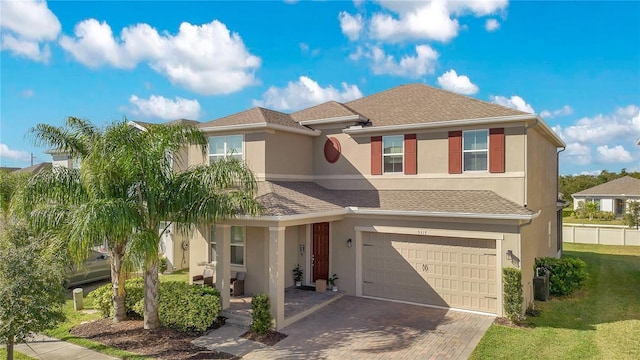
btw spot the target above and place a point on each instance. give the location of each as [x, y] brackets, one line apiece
[320, 255]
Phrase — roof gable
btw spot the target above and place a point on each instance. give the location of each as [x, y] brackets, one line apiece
[256, 115]
[625, 185]
[330, 109]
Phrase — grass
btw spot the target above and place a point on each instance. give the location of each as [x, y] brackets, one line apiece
[179, 275]
[572, 220]
[16, 355]
[601, 321]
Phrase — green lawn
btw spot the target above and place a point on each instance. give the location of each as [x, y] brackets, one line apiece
[180, 275]
[601, 321]
[16, 355]
[572, 220]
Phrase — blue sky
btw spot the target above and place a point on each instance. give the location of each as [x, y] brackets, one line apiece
[577, 64]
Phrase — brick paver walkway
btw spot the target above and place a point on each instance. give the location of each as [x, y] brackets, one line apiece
[359, 328]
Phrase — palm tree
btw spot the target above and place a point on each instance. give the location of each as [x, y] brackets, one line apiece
[591, 208]
[80, 208]
[201, 194]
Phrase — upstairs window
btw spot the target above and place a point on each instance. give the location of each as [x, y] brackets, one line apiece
[392, 153]
[475, 150]
[223, 146]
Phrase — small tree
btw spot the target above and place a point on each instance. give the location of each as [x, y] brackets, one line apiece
[632, 217]
[31, 291]
[262, 321]
[591, 208]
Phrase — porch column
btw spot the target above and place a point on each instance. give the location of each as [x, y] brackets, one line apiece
[276, 274]
[223, 262]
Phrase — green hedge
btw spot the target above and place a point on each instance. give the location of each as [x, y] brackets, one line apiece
[513, 298]
[567, 274]
[181, 306]
[261, 319]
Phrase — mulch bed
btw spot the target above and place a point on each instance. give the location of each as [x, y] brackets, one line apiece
[503, 321]
[270, 338]
[162, 343]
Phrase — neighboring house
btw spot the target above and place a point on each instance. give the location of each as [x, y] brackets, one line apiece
[414, 194]
[34, 169]
[612, 196]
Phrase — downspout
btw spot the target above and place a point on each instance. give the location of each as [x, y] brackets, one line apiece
[526, 150]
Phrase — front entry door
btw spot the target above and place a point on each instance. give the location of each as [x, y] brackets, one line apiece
[320, 255]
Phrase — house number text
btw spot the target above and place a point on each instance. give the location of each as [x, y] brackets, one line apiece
[422, 232]
[425, 267]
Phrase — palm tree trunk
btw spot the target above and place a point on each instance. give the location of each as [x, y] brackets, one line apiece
[117, 280]
[151, 320]
[10, 348]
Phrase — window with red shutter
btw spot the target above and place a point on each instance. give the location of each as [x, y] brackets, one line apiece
[496, 150]
[376, 155]
[410, 154]
[455, 152]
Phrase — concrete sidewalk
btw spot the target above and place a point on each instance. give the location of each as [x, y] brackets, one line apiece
[47, 348]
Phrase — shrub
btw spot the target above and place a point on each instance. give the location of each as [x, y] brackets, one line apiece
[162, 265]
[186, 307]
[567, 274]
[180, 306]
[261, 314]
[513, 298]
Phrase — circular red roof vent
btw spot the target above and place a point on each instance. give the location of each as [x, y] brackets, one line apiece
[332, 150]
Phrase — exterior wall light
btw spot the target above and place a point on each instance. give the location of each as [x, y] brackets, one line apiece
[349, 243]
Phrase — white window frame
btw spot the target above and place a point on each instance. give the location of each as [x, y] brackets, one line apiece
[213, 243]
[226, 150]
[393, 154]
[486, 150]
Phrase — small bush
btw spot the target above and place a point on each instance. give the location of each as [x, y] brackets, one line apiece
[180, 306]
[567, 274]
[162, 265]
[513, 298]
[261, 314]
[186, 307]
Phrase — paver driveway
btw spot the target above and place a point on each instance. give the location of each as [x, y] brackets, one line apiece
[359, 328]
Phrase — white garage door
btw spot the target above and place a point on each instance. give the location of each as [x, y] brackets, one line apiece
[450, 272]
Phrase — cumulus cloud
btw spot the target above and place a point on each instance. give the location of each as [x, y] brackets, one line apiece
[351, 25]
[428, 20]
[26, 27]
[457, 83]
[622, 124]
[514, 102]
[16, 155]
[304, 93]
[491, 25]
[616, 154]
[207, 59]
[578, 153]
[411, 66]
[159, 107]
[563, 111]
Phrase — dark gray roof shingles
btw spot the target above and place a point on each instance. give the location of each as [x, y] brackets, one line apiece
[625, 185]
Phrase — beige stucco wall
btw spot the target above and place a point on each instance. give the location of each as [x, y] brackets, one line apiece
[257, 250]
[198, 251]
[287, 156]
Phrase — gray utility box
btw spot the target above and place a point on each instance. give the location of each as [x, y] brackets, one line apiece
[541, 285]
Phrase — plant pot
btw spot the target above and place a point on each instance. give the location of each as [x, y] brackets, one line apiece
[334, 288]
[298, 283]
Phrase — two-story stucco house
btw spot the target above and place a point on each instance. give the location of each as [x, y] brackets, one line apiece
[414, 194]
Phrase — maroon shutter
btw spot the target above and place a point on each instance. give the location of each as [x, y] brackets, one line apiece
[455, 152]
[410, 154]
[496, 150]
[376, 155]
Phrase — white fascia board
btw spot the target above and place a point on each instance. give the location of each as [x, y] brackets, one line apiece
[136, 125]
[333, 120]
[456, 123]
[260, 126]
[445, 214]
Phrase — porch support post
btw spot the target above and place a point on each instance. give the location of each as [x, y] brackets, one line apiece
[276, 274]
[223, 262]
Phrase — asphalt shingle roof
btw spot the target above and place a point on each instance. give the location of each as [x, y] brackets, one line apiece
[330, 109]
[625, 185]
[255, 115]
[281, 198]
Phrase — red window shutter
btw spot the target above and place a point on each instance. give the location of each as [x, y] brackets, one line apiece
[410, 154]
[455, 152]
[376, 155]
[496, 150]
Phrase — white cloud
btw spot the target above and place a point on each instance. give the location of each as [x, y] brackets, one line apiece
[207, 59]
[17, 155]
[457, 83]
[305, 49]
[563, 111]
[430, 20]
[491, 25]
[26, 27]
[422, 63]
[351, 25]
[514, 102]
[578, 153]
[166, 109]
[304, 93]
[616, 154]
[621, 125]
[27, 93]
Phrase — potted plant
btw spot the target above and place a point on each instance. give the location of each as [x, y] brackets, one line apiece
[332, 282]
[297, 275]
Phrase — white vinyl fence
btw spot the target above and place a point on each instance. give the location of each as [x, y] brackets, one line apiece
[600, 234]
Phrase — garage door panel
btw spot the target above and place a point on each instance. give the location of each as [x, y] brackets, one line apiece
[453, 272]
